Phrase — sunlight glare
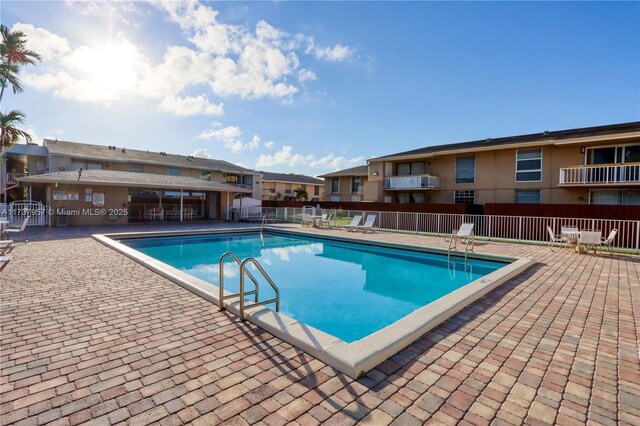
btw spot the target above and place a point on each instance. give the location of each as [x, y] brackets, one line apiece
[109, 68]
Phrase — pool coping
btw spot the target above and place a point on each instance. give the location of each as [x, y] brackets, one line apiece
[353, 359]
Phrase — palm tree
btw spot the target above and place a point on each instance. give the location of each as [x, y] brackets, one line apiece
[300, 194]
[14, 55]
[9, 133]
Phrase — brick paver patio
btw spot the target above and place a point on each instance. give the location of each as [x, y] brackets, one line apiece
[89, 335]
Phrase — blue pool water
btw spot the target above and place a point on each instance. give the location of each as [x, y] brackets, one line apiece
[345, 289]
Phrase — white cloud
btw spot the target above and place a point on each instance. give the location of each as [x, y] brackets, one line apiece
[201, 153]
[269, 144]
[286, 157]
[219, 60]
[231, 137]
[306, 75]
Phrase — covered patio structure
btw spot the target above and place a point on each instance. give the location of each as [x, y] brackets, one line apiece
[101, 197]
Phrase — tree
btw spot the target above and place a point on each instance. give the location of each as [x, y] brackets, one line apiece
[300, 194]
[14, 55]
[10, 133]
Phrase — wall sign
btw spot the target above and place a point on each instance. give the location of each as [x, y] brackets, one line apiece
[73, 196]
[98, 199]
[60, 195]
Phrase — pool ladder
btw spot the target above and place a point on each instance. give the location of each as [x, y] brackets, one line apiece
[256, 291]
[452, 240]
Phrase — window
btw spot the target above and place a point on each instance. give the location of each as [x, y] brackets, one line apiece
[335, 185]
[465, 169]
[530, 196]
[232, 179]
[85, 165]
[529, 165]
[355, 184]
[412, 197]
[205, 175]
[136, 168]
[172, 171]
[404, 169]
[272, 187]
[464, 197]
[287, 188]
[629, 197]
[316, 190]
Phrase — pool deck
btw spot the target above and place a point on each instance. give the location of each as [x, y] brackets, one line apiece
[89, 335]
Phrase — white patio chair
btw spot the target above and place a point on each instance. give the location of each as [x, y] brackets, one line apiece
[368, 224]
[465, 235]
[354, 223]
[608, 242]
[325, 219]
[307, 219]
[553, 239]
[4, 260]
[5, 246]
[590, 239]
[19, 230]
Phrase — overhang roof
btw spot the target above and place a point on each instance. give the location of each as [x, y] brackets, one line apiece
[131, 179]
[27, 149]
[126, 155]
[505, 142]
[291, 177]
[353, 171]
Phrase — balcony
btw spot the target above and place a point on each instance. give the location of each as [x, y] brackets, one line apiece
[412, 182]
[601, 174]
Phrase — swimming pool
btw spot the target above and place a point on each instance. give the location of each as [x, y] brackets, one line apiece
[349, 302]
[345, 289]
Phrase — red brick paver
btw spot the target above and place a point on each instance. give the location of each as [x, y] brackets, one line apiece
[87, 334]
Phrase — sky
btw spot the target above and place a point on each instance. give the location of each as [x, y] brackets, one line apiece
[313, 87]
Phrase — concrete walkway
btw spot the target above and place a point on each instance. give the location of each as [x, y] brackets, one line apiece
[89, 335]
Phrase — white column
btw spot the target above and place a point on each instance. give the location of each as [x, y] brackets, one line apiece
[181, 203]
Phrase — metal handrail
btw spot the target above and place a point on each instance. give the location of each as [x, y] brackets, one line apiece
[222, 297]
[243, 269]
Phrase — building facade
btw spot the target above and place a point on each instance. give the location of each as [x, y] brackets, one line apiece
[594, 165]
[346, 185]
[138, 185]
[282, 186]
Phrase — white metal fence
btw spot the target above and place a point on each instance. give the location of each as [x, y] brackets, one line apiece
[501, 228]
[16, 212]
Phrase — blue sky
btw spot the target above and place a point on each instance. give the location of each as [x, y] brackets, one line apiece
[311, 87]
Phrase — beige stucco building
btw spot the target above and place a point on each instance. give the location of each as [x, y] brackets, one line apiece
[282, 186]
[597, 165]
[113, 185]
[346, 185]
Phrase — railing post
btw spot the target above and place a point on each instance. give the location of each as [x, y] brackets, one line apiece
[286, 217]
[520, 228]
[438, 227]
[416, 223]
[638, 235]
[397, 221]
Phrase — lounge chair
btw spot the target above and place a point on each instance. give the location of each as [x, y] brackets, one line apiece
[3, 261]
[354, 223]
[368, 224]
[553, 239]
[608, 242]
[21, 230]
[5, 245]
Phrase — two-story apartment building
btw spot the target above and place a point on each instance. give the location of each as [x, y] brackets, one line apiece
[137, 185]
[345, 185]
[593, 165]
[281, 186]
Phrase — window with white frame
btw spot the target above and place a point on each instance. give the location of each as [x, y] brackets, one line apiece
[464, 197]
[136, 168]
[527, 196]
[529, 165]
[355, 184]
[466, 169]
[629, 197]
[172, 171]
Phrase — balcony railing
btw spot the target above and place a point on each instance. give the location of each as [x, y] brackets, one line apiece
[412, 182]
[600, 174]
